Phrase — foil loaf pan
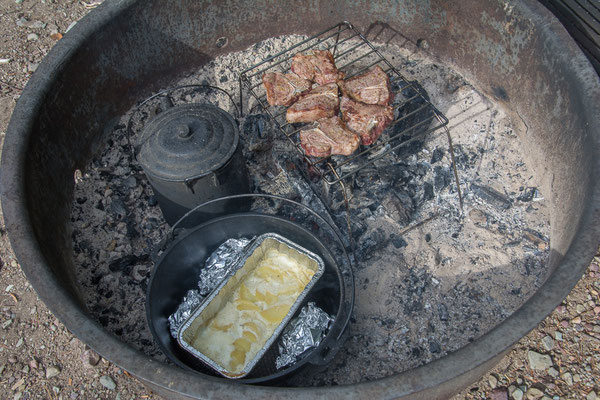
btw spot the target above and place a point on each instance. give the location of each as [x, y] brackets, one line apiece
[222, 293]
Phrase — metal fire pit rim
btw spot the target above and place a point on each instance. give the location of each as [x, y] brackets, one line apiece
[170, 378]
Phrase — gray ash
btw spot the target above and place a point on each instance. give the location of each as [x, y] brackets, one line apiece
[430, 277]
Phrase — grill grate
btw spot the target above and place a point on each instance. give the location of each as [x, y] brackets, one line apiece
[415, 115]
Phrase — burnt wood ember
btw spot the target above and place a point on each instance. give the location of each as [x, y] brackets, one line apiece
[320, 102]
[367, 120]
[329, 137]
[284, 89]
[318, 67]
[371, 87]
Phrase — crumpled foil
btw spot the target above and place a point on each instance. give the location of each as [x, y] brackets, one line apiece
[191, 300]
[218, 265]
[303, 333]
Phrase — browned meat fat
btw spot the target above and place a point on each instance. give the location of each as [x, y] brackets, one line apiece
[284, 89]
[329, 137]
[367, 120]
[318, 67]
[372, 87]
[320, 102]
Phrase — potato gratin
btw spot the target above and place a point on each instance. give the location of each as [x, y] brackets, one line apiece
[240, 329]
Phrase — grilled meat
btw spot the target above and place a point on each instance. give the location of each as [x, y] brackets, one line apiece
[318, 67]
[329, 137]
[284, 89]
[367, 120]
[372, 87]
[320, 102]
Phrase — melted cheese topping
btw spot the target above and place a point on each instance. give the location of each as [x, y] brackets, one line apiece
[238, 331]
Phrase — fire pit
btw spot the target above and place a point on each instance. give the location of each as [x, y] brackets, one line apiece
[523, 67]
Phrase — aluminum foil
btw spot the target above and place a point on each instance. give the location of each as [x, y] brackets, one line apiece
[191, 300]
[218, 265]
[303, 333]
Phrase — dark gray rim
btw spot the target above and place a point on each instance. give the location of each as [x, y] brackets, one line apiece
[423, 380]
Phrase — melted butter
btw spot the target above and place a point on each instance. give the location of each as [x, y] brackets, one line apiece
[238, 331]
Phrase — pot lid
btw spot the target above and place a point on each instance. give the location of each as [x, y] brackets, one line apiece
[187, 141]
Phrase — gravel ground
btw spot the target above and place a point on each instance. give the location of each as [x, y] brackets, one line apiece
[39, 358]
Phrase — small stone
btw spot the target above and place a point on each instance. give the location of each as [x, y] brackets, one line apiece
[568, 378]
[12, 359]
[576, 320]
[561, 309]
[493, 381]
[32, 37]
[591, 396]
[19, 343]
[548, 342]
[7, 323]
[423, 44]
[33, 364]
[580, 308]
[534, 393]
[553, 372]
[56, 389]
[517, 394]
[499, 394]
[32, 67]
[90, 358]
[594, 267]
[558, 336]
[576, 378]
[107, 382]
[597, 310]
[564, 323]
[52, 371]
[18, 396]
[25, 369]
[539, 361]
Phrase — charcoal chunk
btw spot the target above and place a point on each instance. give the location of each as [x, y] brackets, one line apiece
[427, 191]
[124, 264]
[442, 177]
[437, 155]
[434, 347]
[118, 208]
[443, 312]
[370, 242]
[398, 241]
[491, 196]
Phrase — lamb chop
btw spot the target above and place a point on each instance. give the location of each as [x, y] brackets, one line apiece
[284, 89]
[329, 137]
[367, 120]
[372, 87]
[320, 102]
[318, 67]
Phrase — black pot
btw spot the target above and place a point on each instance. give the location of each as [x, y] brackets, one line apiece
[177, 272]
[191, 154]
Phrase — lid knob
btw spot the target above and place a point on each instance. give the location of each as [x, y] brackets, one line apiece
[183, 131]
